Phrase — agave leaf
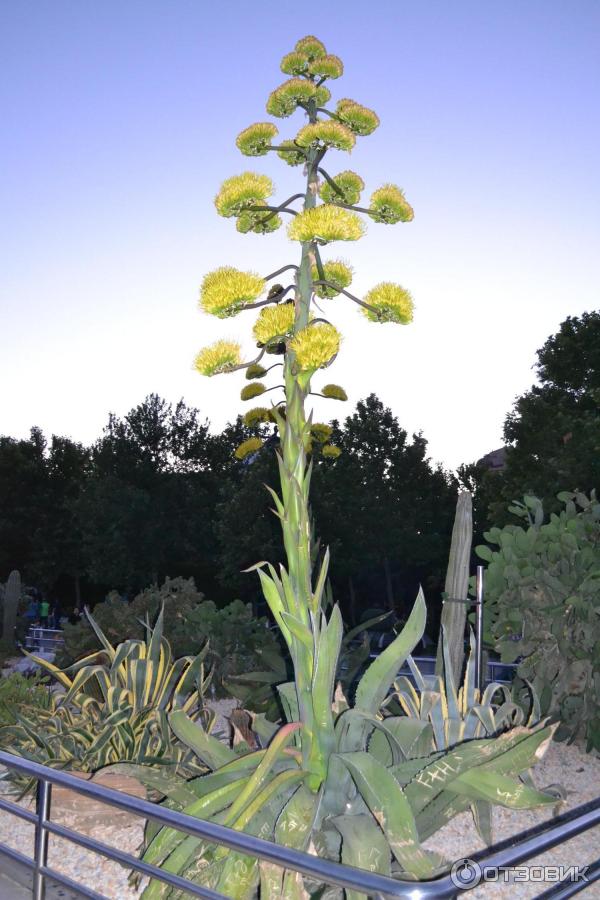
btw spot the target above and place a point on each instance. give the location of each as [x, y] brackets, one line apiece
[480, 784]
[275, 602]
[298, 629]
[169, 785]
[364, 846]
[50, 668]
[325, 668]
[482, 816]
[240, 872]
[211, 751]
[205, 807]
[353, 728]
[263, 727]
[320, 586]
[391, 810]
[263, 770]
[108, 647]
[377, 680]
[413, 736]
[364, 626]
[289, 700]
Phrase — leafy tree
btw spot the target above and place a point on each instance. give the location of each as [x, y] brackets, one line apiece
[146, 510]
[553, 432]
[40, 484]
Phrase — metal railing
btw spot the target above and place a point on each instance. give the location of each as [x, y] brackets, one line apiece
[40, 638]
[502, 857]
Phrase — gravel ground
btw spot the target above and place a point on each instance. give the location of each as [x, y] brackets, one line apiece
[579, 774]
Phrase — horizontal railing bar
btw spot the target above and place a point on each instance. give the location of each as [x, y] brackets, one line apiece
[549, 835]
[285, 857]
[19, 811]
[49, 872]
[29, 863]
[558, 831]
[132, 861]
[566, 889]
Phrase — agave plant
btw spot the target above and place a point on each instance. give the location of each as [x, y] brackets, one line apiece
[114, 707]
[385, 790]
[449, 714]
[318, 783]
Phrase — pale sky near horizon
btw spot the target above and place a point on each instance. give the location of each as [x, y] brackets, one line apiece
[118, 125]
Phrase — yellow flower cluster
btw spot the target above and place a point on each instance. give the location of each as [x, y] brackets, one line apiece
[255, 371]
[219, 357]
[226, 291]
[295, 156]
[294, 63]
[256, 139]
[258, 222]
[241, 191]
[331, 451]
[389, 205]
[334, 392]
[359, 119]
[252, 445]
[349, 183]
[311, 47]
[274, 321]
[338, 273]
[326, 223]
[328, 66]
[284, 99]
[392, 302]
[320, 432]
[328, 134]
[257, 415]
[315, 346]
[252, 390]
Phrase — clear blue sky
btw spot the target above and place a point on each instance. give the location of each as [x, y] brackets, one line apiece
[118, 124]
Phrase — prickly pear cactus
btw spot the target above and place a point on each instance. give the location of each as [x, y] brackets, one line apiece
[454, 615]
[12, 595]
[543, 607]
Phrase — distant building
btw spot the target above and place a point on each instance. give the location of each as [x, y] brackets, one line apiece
[494, 461]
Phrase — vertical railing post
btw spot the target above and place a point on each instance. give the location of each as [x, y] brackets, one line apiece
[479, 673]
[40, 850]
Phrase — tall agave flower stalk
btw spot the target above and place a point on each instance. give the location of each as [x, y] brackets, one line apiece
[325, 210]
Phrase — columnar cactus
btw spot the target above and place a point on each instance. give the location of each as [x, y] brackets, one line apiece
[454, 610]
[12, 595]
[290, 325]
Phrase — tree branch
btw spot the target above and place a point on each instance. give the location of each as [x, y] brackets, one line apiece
[273, 210]
[328, 112]
[331, 183]
[319, 262]
[275, 299]
[279, 272]
[350, 296]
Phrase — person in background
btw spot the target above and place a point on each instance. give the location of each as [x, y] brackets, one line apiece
[44, 610]
[32, 613]
[55, 615]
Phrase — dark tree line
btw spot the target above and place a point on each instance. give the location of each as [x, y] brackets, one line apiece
[552, 434]
[159, 495]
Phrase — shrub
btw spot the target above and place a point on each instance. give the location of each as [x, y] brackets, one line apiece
[543, 605]
[236, 639]
[120, 619]
[17, 691]
[114, 707]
